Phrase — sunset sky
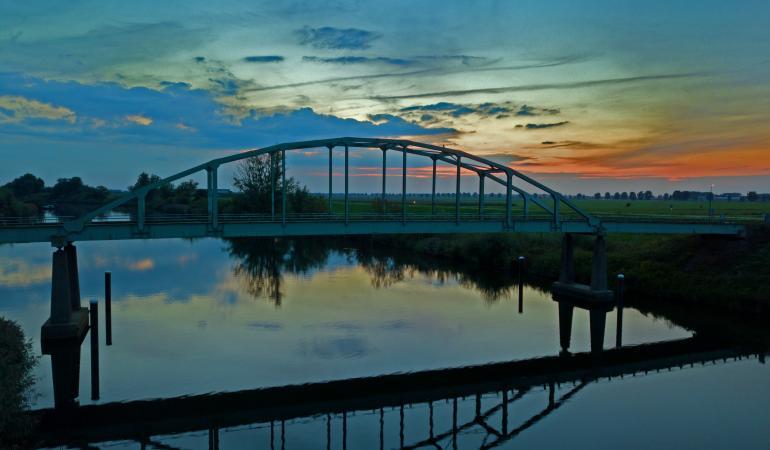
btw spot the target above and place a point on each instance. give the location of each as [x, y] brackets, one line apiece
[588, 96]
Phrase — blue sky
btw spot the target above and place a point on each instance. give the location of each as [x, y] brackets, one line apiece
[586, 95]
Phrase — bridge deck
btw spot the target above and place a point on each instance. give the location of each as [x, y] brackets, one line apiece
[254, 225]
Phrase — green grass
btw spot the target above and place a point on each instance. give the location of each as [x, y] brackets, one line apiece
[729, 274]
[422, 205]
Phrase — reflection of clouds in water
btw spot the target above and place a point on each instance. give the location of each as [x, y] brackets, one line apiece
[351, 326]
[344, 325]
[97, 261]
[346, 347]
[270, 326]
[185, 258]
[396, 325]
[19, 273]
[230, 298]
[141, 265]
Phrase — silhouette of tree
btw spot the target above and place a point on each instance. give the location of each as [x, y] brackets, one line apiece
[256, 177]
[16, 363]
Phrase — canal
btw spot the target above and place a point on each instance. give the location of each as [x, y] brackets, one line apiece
[215, 317]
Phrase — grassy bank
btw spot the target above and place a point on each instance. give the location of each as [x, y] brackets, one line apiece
[744, 210]
[730, 274]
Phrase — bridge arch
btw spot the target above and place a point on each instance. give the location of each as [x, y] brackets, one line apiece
[484, 168]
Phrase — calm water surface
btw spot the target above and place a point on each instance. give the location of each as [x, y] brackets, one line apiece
[196, 317]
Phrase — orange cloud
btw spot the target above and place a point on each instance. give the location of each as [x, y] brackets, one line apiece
[625, 164]
[139, 119]
[142, 265]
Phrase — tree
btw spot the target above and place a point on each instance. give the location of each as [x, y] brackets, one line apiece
[648, 195]
[752, 196]
[632, 196]
[184, 194]
[616, 196]
[26, 185]
[256, 179]
[10, 206]
[17, 364]
[155, 197]
[624, 196]
[598, 196]
[607, 196]
[66, 189]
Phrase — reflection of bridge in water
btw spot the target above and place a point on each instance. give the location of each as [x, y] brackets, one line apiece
[389, 396]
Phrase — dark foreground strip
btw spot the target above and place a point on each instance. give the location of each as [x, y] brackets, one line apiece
[136, 419]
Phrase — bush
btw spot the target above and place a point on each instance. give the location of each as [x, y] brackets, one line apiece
[16, 364]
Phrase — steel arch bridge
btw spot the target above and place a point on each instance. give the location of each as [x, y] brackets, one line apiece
[555, 214]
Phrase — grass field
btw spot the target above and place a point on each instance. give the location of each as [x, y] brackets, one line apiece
[469, 205]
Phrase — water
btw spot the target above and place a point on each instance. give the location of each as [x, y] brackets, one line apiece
[192, 318]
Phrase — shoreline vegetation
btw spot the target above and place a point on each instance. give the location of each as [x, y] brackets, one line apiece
[714, 272]
[17, 361]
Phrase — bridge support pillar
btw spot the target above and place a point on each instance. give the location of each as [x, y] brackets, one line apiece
[65, 371]
[565, 325]
[71, 253]
[567, 287]
[597, 318]
[65, 329]
[595, 298]
[213, 200]
[567, 269]
[599, 265]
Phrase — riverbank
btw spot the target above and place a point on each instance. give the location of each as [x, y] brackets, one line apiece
[720, 273]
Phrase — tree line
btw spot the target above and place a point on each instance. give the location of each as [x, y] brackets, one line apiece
[255, 179]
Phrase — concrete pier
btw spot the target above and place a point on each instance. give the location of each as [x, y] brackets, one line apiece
[68, 320]
[595, 298]
[62, 334]
[567, 288]
[597, 316]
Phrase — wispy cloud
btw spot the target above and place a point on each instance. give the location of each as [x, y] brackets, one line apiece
[17, 109]
[482, 66]
[139, 119]
[526, 110]
[537, 126]
[337, 38]
[483, 110]
[358, 60]
[99, 49]
[264, 59]
[540, 87]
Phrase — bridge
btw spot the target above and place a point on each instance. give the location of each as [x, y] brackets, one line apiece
[384, 397]
[556, 214]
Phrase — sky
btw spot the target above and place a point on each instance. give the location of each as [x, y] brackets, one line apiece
[585, 96]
